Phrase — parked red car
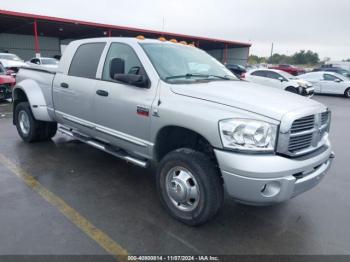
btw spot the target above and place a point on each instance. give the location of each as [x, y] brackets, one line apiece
[7, 82]
[293, 70]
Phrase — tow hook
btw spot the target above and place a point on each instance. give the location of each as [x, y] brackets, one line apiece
[332, 155]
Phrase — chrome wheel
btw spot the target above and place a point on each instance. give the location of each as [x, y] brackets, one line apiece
[24, 122]
[182, 189]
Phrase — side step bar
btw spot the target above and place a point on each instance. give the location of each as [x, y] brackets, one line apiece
[104, 147]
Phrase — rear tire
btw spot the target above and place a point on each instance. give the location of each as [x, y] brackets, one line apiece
[30, 129]
[189, 186]
[347, 93]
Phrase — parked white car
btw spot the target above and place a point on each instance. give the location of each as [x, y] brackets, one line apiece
[281, 80]
[11, 62]
[43, 62]
[329, 83]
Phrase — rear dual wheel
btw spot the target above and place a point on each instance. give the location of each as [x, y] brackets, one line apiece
[30, 129]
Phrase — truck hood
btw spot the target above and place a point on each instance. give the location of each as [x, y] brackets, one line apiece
[262, 100]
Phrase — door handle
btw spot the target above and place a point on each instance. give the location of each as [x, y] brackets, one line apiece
[102, 93]
[64, 85]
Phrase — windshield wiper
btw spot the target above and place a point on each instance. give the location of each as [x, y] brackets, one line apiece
[198, 75]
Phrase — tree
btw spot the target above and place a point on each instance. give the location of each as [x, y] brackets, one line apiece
[254, 59]
[305, 57]
[299, 58]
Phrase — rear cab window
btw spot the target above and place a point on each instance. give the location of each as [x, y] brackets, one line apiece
[86, 59]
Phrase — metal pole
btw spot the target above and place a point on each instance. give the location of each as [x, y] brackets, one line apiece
[36, 39]
[271, 50]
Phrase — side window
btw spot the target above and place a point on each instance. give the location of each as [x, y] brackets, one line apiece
[130, 62]
[86, 59]
[259, 73]
[329, 77]
[272, 75]
[35, 61]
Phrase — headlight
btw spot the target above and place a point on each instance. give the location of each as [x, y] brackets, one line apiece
[248, 135]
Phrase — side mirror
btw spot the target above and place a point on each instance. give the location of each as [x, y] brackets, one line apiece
[337, 80]
[116, 66]
[281, 79]
[131, 79]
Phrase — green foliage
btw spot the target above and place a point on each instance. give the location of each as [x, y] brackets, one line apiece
[304, 58]
[254, 59]
[300, 58]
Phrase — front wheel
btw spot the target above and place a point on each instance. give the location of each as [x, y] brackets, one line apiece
[347, 93]
[292, 89]
[30, 129]
[189, 186]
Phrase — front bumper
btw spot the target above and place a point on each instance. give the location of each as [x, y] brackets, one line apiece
[270, 179]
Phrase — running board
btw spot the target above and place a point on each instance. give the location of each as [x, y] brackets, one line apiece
[104, 147]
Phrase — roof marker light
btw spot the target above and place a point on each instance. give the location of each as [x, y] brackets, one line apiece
[183, 42]
[140, 37]
[173, 40]
[162, 39]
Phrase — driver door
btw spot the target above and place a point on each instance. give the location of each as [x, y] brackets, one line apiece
[123, 111]
[331, 84]
[273, 80]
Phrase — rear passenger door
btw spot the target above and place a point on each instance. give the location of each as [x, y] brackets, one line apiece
[258, 77]
[73, 93]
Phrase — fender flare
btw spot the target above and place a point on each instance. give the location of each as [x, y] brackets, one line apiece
[35, 97]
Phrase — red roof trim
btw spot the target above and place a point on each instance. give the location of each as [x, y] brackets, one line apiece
[64, 20]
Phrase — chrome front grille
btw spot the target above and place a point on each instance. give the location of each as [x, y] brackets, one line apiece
[297, 143]
[301, 134]
[303, 124]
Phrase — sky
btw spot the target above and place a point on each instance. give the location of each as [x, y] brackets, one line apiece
[322, 26]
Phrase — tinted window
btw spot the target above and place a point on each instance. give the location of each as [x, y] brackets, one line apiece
[132, 64]
[259, 73]
[35, 61]
[328, 77]
[272, 75]
[86, 59]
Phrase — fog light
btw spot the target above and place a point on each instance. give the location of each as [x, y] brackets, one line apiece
[271, 189]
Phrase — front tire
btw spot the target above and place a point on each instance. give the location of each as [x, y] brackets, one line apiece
[30, 129]
[347, 93]
[292, 90]
[190, 186]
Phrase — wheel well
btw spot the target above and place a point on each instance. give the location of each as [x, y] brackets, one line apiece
[173, 137]
[18, 97]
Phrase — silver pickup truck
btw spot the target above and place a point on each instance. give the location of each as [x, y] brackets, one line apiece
[175, 107]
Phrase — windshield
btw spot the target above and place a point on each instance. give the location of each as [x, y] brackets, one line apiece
[10, 57]
[286, 75]
[49, 61]
[342, 77]
[177, 63]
